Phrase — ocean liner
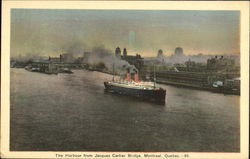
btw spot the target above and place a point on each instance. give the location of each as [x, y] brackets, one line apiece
[132, 86]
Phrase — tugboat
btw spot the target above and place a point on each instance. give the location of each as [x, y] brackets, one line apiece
[136, 88]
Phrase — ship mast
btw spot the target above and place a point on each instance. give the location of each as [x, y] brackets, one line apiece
[113, 79]
[154, 76]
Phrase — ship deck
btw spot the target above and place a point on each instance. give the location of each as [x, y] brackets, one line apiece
[134, 85]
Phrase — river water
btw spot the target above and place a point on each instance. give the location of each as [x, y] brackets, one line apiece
[71, 112]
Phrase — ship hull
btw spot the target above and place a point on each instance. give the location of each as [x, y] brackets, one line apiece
[154, 95]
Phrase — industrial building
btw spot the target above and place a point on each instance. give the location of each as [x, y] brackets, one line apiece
[136, 60]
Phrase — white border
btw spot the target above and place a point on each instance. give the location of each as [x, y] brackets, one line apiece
[242, 6]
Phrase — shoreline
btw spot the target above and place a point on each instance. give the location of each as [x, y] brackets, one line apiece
[181, 84]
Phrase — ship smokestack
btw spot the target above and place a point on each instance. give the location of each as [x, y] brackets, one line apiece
[136, 77]
[128, 77]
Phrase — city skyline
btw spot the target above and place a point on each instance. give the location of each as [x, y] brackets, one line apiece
[51, 32]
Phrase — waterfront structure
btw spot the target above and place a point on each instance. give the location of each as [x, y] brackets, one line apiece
[53, 67]
[220, 64]
[232, 83]
[44, 67]
[79, 60]
[66, 58]
[191, 66]
[86, 56]
[63, 58]
[54, 59]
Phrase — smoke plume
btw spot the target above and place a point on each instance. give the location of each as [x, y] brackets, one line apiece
[102, 55]
[75, 48]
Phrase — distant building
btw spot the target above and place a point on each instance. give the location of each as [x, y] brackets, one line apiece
[160, 57]
[220, 63]
[118, 52]
[63, 58]
[178, 57]
[178, 51]
[79, 60]
[192, 66]
[232, 83]
[54, 59]
[67, 58]
[124, 52]
[160, 53]
[86, 56]
[136, 60]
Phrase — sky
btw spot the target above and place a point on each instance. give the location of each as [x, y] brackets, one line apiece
[49, 32]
